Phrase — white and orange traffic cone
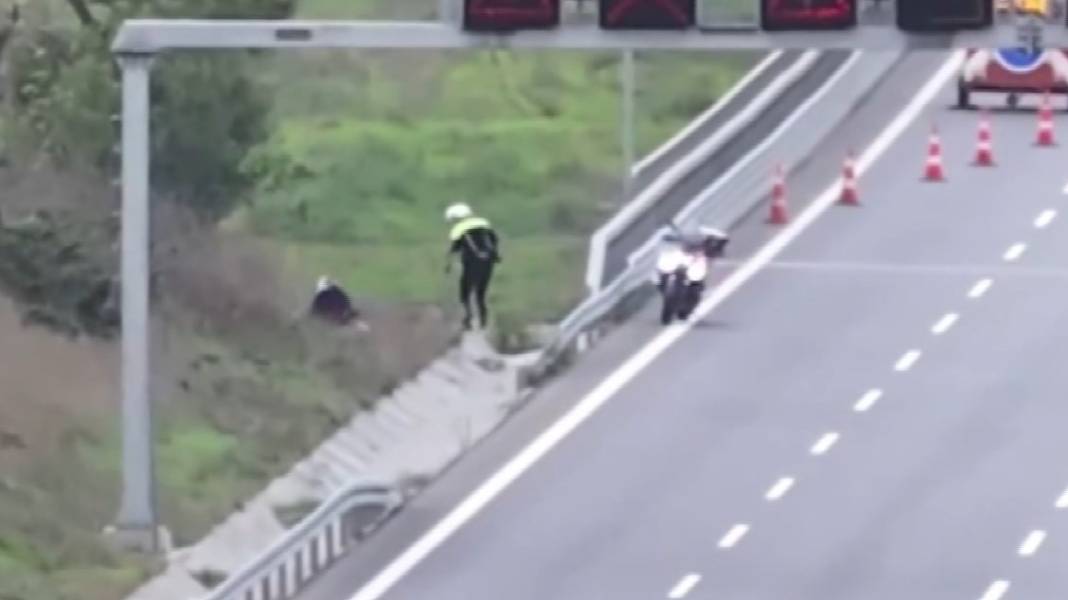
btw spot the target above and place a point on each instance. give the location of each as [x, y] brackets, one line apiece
[984, 151]
[934, 170]
[1045, 123]
[850, 195]
[779, 214]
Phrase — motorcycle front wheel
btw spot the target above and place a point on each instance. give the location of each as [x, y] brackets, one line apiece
[667, 311]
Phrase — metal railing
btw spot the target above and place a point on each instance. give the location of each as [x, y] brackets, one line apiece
[322, 538]
[311, 546]
[648, 197]
[732, 196]
[319, 540]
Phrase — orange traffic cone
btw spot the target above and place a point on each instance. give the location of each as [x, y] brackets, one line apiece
[1045, 123]
[849, 197]
[934, 171]
[779, 214]
[984, 151]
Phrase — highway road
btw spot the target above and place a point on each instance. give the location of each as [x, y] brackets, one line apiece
[879, 412]
[681, 193]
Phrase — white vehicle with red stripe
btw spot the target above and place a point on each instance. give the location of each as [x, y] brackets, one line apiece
[1012, 71]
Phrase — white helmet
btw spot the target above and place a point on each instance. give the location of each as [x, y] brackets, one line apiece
[457, 211]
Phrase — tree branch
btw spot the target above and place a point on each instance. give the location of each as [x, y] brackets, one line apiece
[7, 30]
[81, 9]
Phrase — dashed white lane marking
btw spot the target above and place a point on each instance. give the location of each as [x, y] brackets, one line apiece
[868, 400]
[734, 535]
[1015, 251]
[996, 590]
[1062, 502]
[1065, 188]
[684, 586]
[980, 288]
[1045, 218]
[944, 323]
[779, 489]
[907, 360]
[824, 443]
[479, 498]
[1032, 542]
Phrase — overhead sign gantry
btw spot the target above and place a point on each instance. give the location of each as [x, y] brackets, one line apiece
[619, 25]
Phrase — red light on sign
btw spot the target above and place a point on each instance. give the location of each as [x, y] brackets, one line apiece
[647, 14]
[779, 15]
[509, 15]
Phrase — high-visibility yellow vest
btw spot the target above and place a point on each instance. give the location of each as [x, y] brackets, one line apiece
[1038, 7]
[465, 225]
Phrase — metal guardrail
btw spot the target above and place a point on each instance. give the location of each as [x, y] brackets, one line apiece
[638, 205]
[322, 538]
[319, 540]
[735, 194]
[311, 546]
[681, 136]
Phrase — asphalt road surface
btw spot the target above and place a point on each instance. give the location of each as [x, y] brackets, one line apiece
[680, 194]
[878, 413]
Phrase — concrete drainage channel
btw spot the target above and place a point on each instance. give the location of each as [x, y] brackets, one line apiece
[364, 473]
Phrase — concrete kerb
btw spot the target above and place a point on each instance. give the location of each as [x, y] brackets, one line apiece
[507, 386]
[407, 439]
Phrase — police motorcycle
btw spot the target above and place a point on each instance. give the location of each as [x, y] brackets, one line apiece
[682, 268]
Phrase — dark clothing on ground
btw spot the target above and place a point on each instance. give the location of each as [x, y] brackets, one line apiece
[333, 305]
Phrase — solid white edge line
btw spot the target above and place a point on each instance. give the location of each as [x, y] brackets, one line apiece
[907, 360]
[732, 537]
[868, 400]
[783, 128]
[779, 489]
[678, 170]
[684, 586]
[727, 176]
[1045, 218]
[945, 323]
[980, 288]
[824, 443]
[385, 579]
[996, 590]
[1032, 542]
[1015, 251]
[1062, 501]
[716, 108]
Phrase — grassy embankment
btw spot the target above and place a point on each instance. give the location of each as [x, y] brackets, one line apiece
[368, 148]
[371, 147]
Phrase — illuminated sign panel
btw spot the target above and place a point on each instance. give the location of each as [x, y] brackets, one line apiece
[647, 14]
[510, 15]
[944, 15]
[781, 15]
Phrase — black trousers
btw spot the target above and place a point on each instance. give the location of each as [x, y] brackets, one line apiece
[474, 281]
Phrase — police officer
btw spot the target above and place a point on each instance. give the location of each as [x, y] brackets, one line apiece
[475, 241]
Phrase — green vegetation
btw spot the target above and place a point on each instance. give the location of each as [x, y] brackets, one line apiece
[357, 173]
[319, 162]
